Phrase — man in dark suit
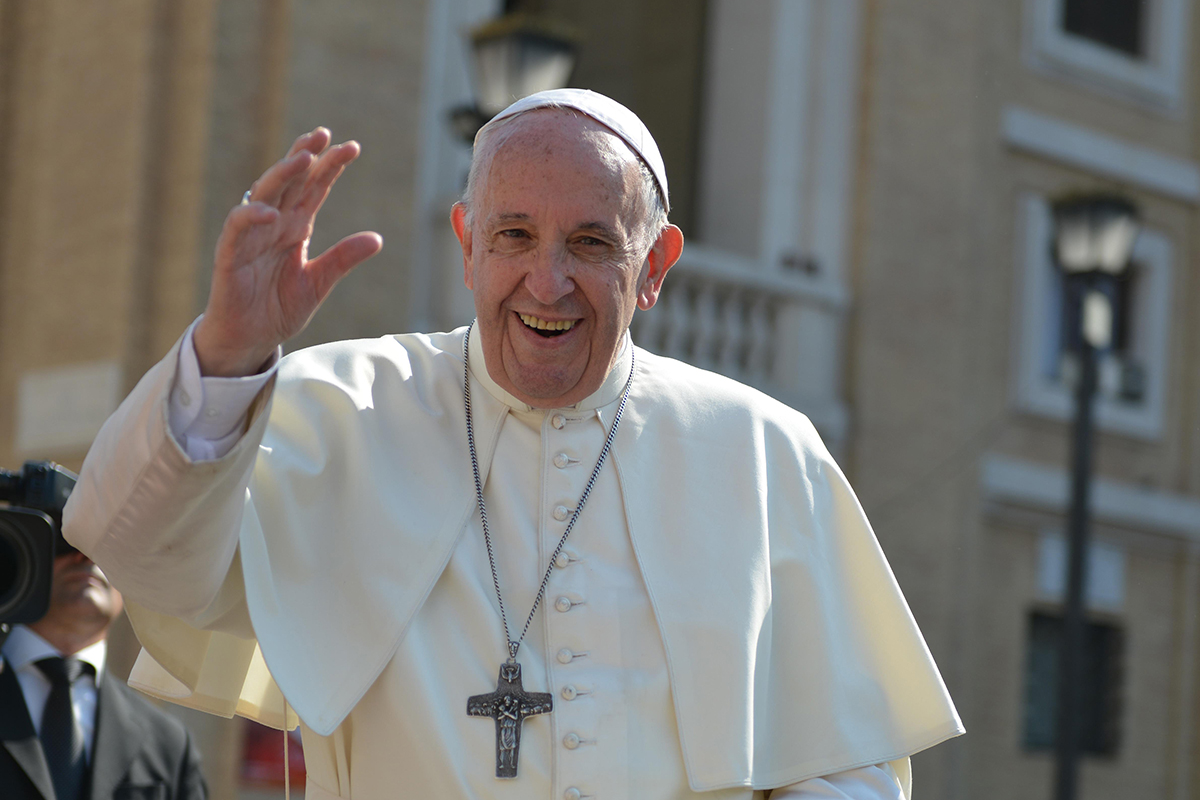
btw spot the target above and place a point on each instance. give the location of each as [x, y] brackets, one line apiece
[69, 729]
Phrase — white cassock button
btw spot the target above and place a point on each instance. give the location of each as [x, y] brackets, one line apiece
[558, 421]
[211, 412]
[570, 741]
[572, 794]
[563, 604]
[565, 656]
[561, 460]
[561, 513]
[185, 398]
[569, 692]
[562, 560]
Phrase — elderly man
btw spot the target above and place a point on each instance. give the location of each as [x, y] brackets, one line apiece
[522, 559]
[68, 729]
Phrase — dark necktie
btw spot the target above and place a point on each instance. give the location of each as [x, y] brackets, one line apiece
[62, 737]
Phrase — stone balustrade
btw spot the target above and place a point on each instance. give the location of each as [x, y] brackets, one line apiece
[777, 332]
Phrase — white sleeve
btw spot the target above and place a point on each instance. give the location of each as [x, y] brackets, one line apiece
[207, 415]
[163, 526]
[879, 782]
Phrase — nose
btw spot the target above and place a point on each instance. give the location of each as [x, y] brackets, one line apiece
[550, 278]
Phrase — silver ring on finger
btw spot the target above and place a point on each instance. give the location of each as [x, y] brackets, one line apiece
[246, 198]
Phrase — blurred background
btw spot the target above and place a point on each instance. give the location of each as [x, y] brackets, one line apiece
[867, 188]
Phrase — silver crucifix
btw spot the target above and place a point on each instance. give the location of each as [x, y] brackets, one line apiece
[509, 705]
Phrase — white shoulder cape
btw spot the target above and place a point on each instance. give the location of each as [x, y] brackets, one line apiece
[791, 650]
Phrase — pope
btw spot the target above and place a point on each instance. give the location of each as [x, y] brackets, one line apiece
[525, 558]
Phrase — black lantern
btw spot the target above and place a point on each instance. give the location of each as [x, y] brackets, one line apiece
[1093, 243]
[513, 56]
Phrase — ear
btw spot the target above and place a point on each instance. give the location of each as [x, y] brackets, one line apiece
[458, 221]
[662, 256]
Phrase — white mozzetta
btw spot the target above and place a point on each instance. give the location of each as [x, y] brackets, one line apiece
[1098, 152]
[719, 521]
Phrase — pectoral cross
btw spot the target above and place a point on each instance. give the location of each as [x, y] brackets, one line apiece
[509, 705]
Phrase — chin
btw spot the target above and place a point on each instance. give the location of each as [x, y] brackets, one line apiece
[545, 386]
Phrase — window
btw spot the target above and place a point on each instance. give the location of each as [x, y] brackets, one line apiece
[1133, 375]
[1118, 24]
[1100, 705]
[1105, 589]
[1136, 49]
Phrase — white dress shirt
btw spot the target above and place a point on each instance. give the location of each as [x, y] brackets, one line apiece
[25, 648]
[594, 642]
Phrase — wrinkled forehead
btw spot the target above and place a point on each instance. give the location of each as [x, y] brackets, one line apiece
[562, 163]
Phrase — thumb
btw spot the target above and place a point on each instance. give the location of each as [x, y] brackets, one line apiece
[331, 266]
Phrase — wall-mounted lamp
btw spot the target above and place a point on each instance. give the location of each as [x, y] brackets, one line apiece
[513, 56]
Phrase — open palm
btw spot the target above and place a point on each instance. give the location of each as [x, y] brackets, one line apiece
[264, 287]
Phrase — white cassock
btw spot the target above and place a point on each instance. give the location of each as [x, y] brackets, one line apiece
[721, 620]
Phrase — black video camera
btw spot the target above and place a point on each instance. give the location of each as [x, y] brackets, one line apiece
[30, 538]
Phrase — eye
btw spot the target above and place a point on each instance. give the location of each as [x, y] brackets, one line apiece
[514, 233]
[591, 241]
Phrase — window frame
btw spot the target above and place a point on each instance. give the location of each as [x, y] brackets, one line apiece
[1046, 396]
[1155, 81]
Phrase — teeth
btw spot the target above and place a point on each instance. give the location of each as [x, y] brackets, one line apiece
[547, 325]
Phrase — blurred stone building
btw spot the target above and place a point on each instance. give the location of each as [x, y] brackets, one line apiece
[864, 185]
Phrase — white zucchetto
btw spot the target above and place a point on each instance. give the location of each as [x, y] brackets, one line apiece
[608, 112]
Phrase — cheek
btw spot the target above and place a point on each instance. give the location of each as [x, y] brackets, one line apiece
[498, 276]
[106, 599]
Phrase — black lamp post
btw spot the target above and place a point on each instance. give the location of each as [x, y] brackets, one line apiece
[513, 56]
[1093, 240]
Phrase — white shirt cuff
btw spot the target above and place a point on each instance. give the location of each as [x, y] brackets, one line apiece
[879, 782]
[207, 415]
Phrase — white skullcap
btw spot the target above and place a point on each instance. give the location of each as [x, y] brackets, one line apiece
[608, 112]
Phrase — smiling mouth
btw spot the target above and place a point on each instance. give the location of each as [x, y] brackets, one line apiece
[546, 327]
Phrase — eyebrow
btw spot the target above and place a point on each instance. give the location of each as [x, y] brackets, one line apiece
[600, 228]
[510, 216]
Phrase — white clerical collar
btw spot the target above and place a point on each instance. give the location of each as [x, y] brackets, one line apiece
[609, 391]
[25, 647]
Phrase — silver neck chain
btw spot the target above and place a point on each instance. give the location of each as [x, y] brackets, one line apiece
[514, 645]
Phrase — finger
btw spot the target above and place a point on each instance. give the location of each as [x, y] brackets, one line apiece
[323, 175]
[271, 185]
[331, 266]
[283, 174]
[239, 221]
[315, 141]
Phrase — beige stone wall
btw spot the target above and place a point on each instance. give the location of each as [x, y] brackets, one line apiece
[1144, 765]
[102, 128]
[931, 385]
[356, 68]
[922, 215]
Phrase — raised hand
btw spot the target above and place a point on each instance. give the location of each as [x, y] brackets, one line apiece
[264, 287]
